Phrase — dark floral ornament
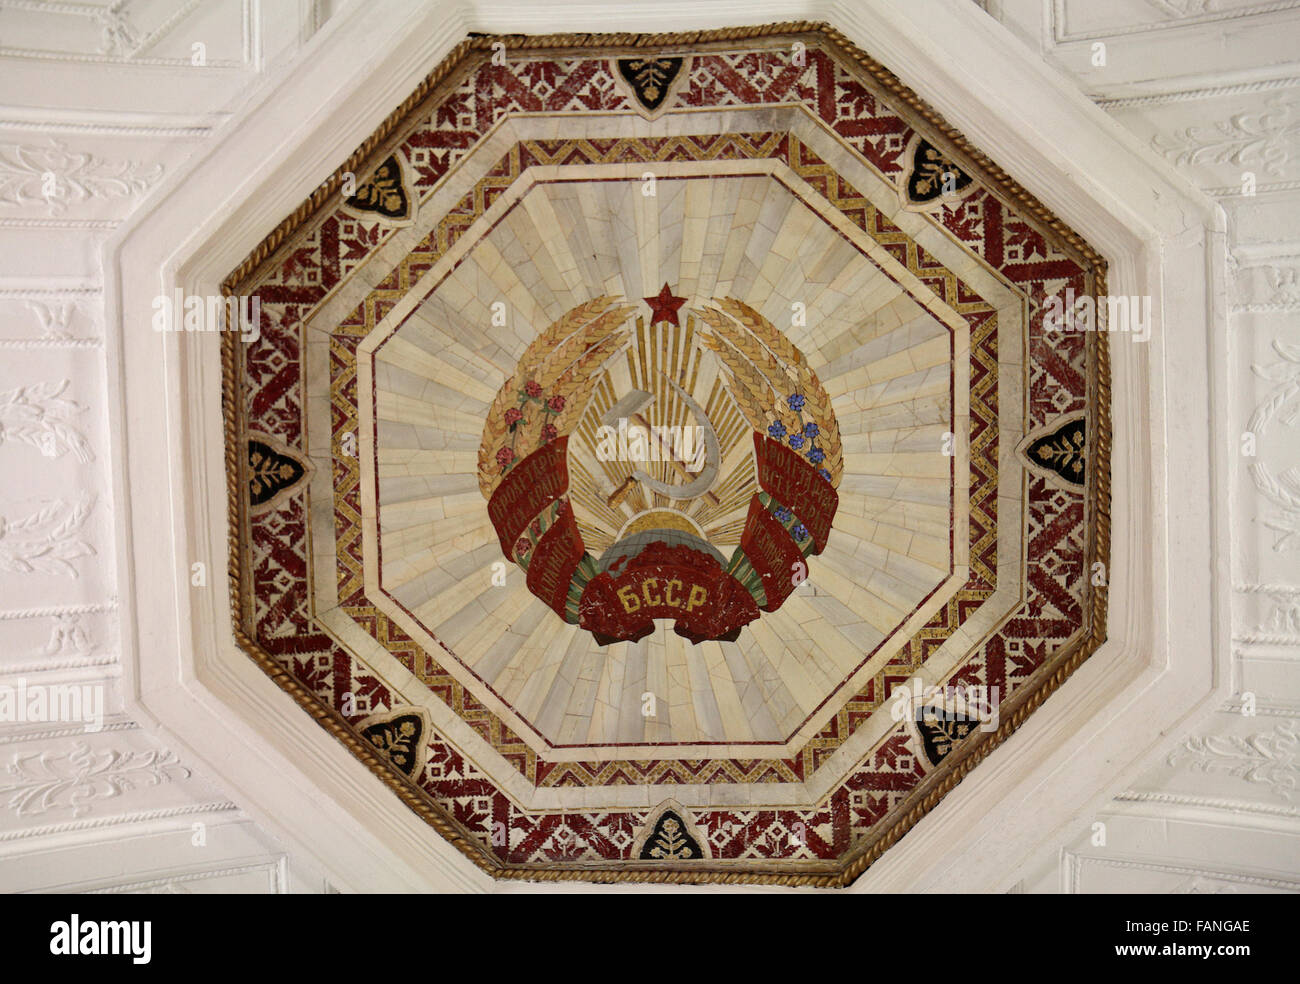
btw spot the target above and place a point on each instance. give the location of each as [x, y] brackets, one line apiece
[932, 175]
[1059, 451]
[399, 736]
[385, 193]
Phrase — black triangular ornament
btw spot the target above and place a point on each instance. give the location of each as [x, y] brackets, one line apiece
[399, 739]
[670, 840]
[933, 175]
[1063, 451]
[270, 472]
[651, 78]
[383, 194]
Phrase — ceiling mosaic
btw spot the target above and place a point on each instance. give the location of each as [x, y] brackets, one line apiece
[654, 463]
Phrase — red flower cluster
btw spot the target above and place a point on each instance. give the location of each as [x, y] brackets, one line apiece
[533, 388]
[514, 415]
[505, 456]
[556, 403]
[549, 433]
[522, 546]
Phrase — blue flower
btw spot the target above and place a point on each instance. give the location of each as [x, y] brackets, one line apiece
[777, 430]
[800, 533]
[783, 514]
[824, 474]
[816, 456]
[811, 429]
[796, 441]
[795, 401]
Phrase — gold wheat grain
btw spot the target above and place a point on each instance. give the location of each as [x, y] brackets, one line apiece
[587, 333]
[775, 357]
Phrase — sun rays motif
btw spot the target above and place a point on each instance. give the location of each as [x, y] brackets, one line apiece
[664, 361]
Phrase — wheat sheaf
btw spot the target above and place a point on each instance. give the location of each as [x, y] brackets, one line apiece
[562, 359]
[764, 369]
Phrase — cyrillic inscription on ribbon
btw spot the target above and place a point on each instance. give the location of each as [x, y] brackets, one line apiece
[552, 565]
[773, 554]
[792, 482]
[677, 582]
[527, 489]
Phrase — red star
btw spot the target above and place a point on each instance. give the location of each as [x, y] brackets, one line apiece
[664, 306]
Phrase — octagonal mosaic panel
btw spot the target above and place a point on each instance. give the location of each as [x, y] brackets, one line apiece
[654, 463]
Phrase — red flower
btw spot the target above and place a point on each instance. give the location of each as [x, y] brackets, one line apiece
[522, 546]
[533, 388]
[505, 456]
[536, 527]
[513, 415]
[549, 433]
[556, 403]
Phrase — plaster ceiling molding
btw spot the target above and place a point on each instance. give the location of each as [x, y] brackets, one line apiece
[55, 319]
[59, 637]
[1184, 8]
[1165, 804]
[51, 182]
[1205, 885]
[172, 70]
[261, 877]
[1269, 614]
[148, 32]
[1154, 95]
[1074, 21]
[191, 848]
[424, 277]
[1262, 143]
[1149, 46]
[46, 316]
[70, 778]
[1111, 875]
[1270, 758]
[1265, 667]
[46, 539]
[1268, 284]
[41, 416]
[111, 835]
[51, 439]
[1268, 551]
[1169, 843]
[1266, 614]
[1238, 705]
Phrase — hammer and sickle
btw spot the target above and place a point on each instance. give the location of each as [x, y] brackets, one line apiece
[631, 406]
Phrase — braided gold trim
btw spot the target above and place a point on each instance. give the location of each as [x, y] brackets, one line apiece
[969, 752]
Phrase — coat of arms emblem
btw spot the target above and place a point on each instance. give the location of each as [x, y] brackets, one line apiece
[644, 468]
